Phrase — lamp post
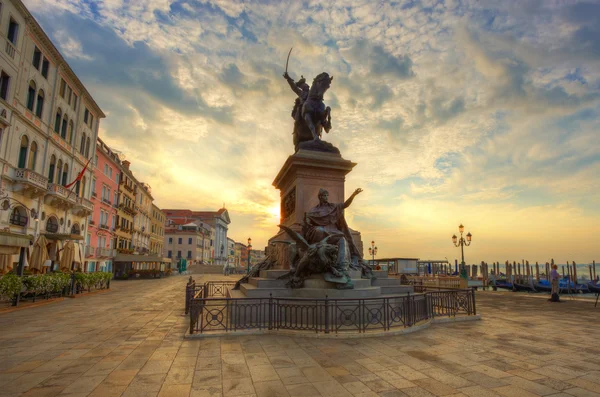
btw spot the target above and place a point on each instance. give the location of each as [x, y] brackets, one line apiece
[373, 252]
[249, 248]
[462, 243]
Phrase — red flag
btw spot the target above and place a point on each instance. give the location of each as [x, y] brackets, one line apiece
[80, 175]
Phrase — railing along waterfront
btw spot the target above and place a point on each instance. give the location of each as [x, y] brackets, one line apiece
[210, 314]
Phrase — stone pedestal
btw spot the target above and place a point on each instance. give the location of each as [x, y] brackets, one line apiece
[299, 182]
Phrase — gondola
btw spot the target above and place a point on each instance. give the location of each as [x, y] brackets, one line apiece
[594, 288]
[543, 286]
[504, 285]
[523, 287]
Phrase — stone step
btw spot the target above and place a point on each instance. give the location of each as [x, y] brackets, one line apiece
[252, 291]
[320, 293]
[355, 274]
[380, 282]
[261, 282]
[272, 274]
[380, 273]
[320, 283]
[398, 289]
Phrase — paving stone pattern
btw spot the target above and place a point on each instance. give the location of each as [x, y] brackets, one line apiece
[129, 342]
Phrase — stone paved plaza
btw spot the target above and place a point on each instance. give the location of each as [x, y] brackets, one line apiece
[129, 342]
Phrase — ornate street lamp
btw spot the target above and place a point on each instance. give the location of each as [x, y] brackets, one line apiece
[462, 243]
[373, 251]
[249, 248]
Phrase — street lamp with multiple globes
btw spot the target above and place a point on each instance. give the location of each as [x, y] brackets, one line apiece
[462, 243]
[249, 248]
[373, 251]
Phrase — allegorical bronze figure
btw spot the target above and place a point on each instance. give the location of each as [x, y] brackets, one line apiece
[310, 114]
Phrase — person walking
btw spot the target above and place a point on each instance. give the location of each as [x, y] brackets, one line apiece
[554, 276]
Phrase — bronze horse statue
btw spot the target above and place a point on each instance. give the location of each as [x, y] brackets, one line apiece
[310, 114]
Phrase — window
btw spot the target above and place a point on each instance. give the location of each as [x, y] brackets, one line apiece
[110, 172]
[52, 225]
[4, 79]
[40, 104]
[65, 174]
[63, 86]
[179, 254]
[91, 121]
[116, 198]
[179, 240]
[82, 145]
[189, 255]
[170, 240]
[94, 186]
[68, 97]
[189, 240]
[169, 254]
[75, 229]
[13, 31]
[23, 151]
[57, 120]
[18, 217]
[70, 136]
[96, 160]
[31, 95]
[105, 169]
[33, 156]
[45, 66]
[86, 116]
[117, 177]
[63, 131]
[51, 169]
[74, 104]
[37, 58]
[58, 171]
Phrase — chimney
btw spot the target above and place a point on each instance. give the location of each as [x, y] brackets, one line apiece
[126, 164]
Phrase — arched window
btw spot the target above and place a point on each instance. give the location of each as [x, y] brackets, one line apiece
[52, 169]
[57, 120]
[40, 104]
[75, 229]
[70, 140]
[63, 131]
[33, 156]
[65, 175]
[82, 145]
[87, 147]
[19, 217]
[58, 171]
[52, 225]
[23, 151]
[31, 95]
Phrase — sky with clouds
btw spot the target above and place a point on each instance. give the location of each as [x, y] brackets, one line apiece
[481, 112]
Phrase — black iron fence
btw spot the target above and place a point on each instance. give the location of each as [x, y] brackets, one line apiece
[212, 314]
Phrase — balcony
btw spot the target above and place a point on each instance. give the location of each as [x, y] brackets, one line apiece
[58, 196]
[127, 209]
[92, 223]
[10, 49]
[30, 183]
[89, 251]
[83, 207]
[105, 252]
[102, 226]
[94, 194]
[106, 201]
[128, 188]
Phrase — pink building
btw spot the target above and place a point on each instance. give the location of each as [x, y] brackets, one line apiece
[101, 238]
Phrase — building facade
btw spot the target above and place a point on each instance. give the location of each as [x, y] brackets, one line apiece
[101, 235]
[185, 242]
[141, 220]
[230, 253]
[218, 220]
[126, 209]
[256, 256]
[157, 232]
[48, 130]
[240, 259]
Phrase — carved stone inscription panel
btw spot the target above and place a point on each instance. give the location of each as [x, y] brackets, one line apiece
[288, 204]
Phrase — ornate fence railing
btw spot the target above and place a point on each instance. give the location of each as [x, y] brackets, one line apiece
[212, 312]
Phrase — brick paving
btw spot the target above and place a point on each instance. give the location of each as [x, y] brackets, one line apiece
[129, 342]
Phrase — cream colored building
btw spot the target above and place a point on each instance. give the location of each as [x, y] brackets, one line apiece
[157, 232]
[48, 129]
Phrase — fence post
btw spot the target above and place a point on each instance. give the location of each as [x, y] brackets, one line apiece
[270, 311]
[409, 310]
[473, 295]
[326, 315]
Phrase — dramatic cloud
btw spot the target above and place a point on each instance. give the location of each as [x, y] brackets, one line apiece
[481, 112]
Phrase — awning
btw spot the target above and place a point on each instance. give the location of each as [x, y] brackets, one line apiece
[63, 236]
[9, 239]
[137, 258]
